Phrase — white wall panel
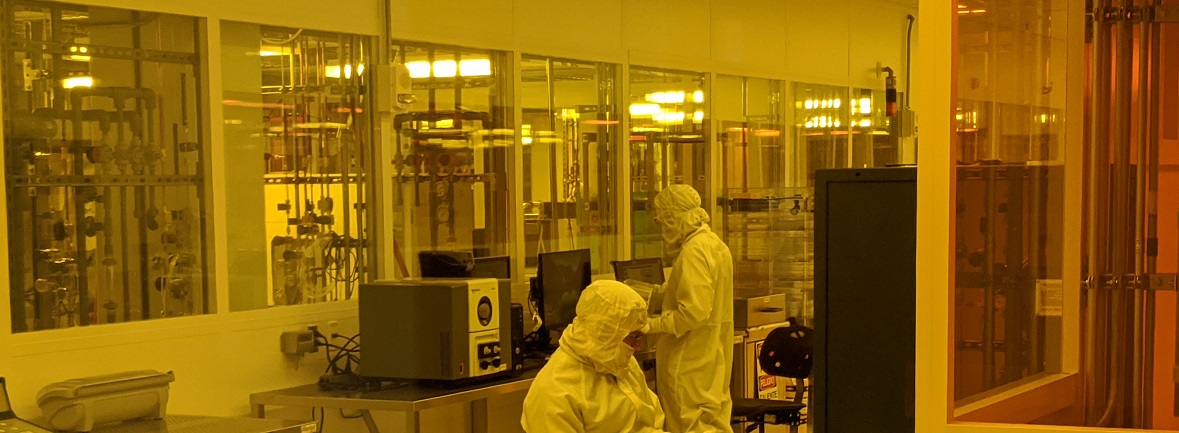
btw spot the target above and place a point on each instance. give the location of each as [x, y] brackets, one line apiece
[817, 41]
[580, 29]
[749, 37]
[668, 33]
[477, 24]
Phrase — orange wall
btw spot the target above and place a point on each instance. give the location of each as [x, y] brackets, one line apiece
[1168, 260]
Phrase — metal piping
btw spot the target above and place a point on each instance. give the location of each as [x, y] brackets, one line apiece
[1137, 397]
[988, 343]
[1097, 148]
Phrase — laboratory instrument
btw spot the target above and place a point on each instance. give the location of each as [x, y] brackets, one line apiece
[78, 405]
[436, 329]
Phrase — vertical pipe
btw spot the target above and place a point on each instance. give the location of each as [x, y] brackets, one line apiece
[1138, 376]
[554, 181]
[988, 337]
[1097, 148]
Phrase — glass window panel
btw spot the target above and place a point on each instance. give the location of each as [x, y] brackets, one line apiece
[451, 149]
[668, 145]
[105, 165]
[569, 136]
[298, 151]
[1010, 195]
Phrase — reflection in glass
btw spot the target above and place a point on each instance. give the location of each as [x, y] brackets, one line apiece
[104, 165]
[1010, 194]
[298, 151]
[450, 153]
[569, 136]
[767, 224]
[822, 116]
[668, 145]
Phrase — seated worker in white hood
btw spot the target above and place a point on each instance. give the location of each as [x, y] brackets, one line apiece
[593, 382]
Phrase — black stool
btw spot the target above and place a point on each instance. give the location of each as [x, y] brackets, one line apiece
[786, 352]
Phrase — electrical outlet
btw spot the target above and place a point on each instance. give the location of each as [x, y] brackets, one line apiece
[297, 342]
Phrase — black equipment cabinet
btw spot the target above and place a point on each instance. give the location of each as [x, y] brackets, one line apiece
[865, 300]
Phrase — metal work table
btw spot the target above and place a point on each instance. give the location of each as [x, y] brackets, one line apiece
[205, 424]
[409, 399]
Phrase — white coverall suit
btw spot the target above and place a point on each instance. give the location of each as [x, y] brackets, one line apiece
[593, 384]
[694, 353]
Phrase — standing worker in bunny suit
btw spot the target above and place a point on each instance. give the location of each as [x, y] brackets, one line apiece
[694, 353]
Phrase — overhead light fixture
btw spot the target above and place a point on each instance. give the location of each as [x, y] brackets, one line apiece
[810, 104]
[667, 97]
[419, 69]
[838, 102]
[80, 81]
[445, 69]
[644, 110]
[698, 96]
[698, 116]
[269, 53]
[474, 67]
[865, 123]
[865, 106]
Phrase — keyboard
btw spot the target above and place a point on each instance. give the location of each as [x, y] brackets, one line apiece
[19, 426]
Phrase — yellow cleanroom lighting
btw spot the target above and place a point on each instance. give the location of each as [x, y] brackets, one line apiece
[698, 96]
[644, 110]
[72, 82]
[445, 68]
[865, 106]
[810, 105]
[836, 123]
[698, 116]
[838, 102]
[268, 53]
[474, 67]
[419, 69]
[666, 97]
[810, 124]
[865, 123]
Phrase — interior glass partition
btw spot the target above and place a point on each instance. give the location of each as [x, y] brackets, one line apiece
[668, 145]
[452, 142]
[298, 153]
[570, 138]
[105, 165]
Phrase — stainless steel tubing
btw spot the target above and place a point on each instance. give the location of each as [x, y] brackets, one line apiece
[1137, 382]
[1122, 117]
[1097, 150]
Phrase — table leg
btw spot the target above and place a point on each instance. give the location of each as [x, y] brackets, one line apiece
[369, 422]
[412, 419]
[479, 416]
[259, 410]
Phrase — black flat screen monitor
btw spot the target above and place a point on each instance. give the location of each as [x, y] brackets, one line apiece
[492, 267]
[649, 271]
[445, 264]
[563, 275]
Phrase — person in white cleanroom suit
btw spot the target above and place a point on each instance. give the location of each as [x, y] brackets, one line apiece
[593, 382]
[694, 350]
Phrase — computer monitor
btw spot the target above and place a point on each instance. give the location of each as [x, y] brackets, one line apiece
[446, 264]
[562, 276]
[492, 267]
[646, 270]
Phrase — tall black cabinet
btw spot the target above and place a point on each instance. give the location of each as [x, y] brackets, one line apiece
[865, 300]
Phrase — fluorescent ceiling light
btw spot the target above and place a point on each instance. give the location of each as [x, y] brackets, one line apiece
[474, 67]
[72, 82]
[445, 68]
[418, 69]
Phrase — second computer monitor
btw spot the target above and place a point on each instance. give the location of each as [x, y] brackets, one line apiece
[563, 275]
[649, 271]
